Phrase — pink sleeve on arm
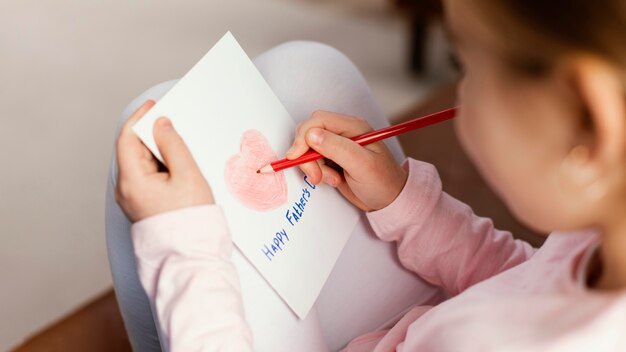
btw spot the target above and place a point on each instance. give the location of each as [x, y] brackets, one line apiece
[183, 258]
[440, 238]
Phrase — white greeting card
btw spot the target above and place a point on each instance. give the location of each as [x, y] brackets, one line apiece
[291, 230]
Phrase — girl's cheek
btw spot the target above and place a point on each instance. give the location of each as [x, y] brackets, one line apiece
[468, 124]
[463, 129]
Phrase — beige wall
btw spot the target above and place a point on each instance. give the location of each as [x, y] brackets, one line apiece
[67, 69]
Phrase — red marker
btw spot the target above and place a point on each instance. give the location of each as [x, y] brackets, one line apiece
[365, 139]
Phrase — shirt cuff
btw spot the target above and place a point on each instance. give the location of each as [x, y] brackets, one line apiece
[412, 206]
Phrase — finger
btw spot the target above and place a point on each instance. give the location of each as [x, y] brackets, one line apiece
[313, 171]
[347, 193]
[132, 154]
[176, 155]
[348, 154]
[343, 125]
[138, 114]
[330, 176]
[133, 158]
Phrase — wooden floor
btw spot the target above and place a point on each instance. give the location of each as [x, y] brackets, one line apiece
[98, 325]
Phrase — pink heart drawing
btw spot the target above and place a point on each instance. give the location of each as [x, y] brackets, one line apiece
[256, 191]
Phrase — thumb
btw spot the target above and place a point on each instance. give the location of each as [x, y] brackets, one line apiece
[345, 152]
[175, 153]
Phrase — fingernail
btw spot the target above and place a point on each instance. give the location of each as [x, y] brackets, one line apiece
[165, 122]
[316, 136]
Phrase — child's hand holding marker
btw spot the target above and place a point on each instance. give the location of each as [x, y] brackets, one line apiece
[371, 179]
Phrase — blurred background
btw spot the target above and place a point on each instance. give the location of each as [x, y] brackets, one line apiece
[69, 67]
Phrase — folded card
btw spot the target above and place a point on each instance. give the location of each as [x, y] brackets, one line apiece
[291, 230]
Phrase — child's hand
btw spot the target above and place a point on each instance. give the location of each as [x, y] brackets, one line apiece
[142, 189]
[371, 179]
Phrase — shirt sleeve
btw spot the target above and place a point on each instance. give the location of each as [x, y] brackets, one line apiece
[183, 258]
[440, 238]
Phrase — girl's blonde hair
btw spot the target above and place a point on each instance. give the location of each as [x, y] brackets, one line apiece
[536, 33]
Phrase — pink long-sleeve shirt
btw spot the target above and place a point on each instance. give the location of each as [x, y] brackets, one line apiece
[506, 295]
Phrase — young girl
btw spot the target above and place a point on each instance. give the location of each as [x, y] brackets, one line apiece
[543, 116]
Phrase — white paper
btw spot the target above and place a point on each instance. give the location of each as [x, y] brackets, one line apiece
[211, 107]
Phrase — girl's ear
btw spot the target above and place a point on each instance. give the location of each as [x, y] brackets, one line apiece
[598, 154]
